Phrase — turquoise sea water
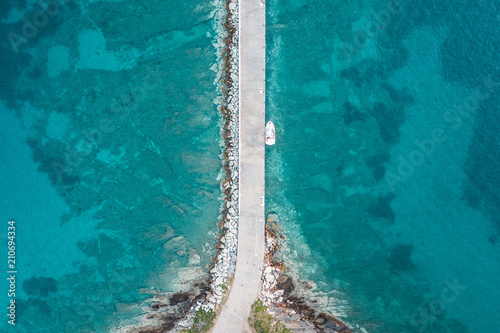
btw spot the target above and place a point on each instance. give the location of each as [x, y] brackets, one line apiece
[385, 174]
[110, 144]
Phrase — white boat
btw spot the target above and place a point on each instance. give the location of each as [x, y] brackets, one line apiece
[270, 133]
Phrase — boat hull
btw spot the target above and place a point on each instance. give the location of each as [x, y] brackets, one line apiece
[270, 134]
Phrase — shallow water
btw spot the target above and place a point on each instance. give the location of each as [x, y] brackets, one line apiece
[385, 172]
[110, 157]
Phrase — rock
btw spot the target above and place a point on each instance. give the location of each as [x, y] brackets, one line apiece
[278, 293]
[179, 298]
[300, 302]
[308, 311]
[285, 283]
[320, 320]
[282, 279]
[334, 323]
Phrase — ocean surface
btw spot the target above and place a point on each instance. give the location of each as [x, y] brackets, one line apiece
[386, 170]
[109, 157]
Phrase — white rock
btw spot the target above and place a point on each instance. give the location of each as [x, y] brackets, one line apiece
[270, 278]
[278, 292]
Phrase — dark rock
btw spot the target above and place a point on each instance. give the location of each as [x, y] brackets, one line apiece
[155, 306]
[300, 305]
[166, 326]
[307, 285]
[179, 298]
[300, 302]
[202, 286]
[308, 312]
[320, 320]
[282, 279]
[334, 324]
[152, 329]
[285, 283]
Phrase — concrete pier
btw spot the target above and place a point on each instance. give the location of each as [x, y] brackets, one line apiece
[252, 60]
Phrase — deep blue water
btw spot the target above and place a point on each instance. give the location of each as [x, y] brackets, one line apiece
[110, 144]
[385, 174]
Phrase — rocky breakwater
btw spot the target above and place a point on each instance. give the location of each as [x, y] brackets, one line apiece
[226, 44]
[225, 262]
[175, 312]
[279, 292]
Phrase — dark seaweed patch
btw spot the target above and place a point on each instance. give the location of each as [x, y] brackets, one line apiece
[377, 164]
[40, 286]
[400, 97]
[493, 239]
[382, 207]
[11, 65]
[51, 156]
[400, 257]
[388, 120]
[352, 74]
[40, 307]
[471, 49]
[352, 113]
[482, 188]
[90, 247]
[366, 71]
